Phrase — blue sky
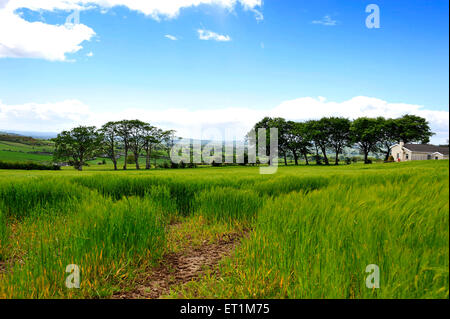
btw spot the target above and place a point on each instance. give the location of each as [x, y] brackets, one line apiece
[280, 54]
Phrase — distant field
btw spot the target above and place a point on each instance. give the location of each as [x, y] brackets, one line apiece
[19, 147]
[19, 152]
[24, 157]
[305, 232]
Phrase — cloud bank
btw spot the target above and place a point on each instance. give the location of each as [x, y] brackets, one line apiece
[20, 38]
[188, 123]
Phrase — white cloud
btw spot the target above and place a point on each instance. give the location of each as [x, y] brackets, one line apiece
[70, 113]
[23, 39]
[44, 117]
[209, 35]
[171, 37]
[326, 20]
[90, 54]
[157, 9]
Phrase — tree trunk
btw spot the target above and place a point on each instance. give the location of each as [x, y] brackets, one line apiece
[115, 164]
[136, 159]
[295, 157]
[387, 153]
[147, 157]
[366, 155]
[324, 151]
[337, 157]
[317, 155]
[285, 159]
[306, 158]
[125, 161]
[80, 162]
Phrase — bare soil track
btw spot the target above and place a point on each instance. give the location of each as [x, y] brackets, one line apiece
[2, 267]
[182, 267]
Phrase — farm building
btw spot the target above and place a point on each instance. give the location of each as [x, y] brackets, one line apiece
[418, 152]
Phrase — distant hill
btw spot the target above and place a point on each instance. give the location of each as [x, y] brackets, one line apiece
[37, 135]
[19, 148]
[27, 140]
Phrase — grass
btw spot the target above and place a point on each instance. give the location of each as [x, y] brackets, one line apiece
[20, 147]
[40, 151]
[14, 156]
[311, 230]
[318, 245]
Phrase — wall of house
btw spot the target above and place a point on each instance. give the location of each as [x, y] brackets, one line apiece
[416, 156]
[397, 153]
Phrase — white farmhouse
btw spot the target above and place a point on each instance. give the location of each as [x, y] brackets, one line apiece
[418, 152]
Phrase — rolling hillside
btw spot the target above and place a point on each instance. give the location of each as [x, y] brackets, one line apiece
[19, 148]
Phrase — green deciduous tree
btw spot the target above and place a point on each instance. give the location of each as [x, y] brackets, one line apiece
[167, 140]
[123, 130]
[413, 129]
[152, 137]
[298, 140]
[338, 130]
[318, 131]
[137, 138]
[389, 134]
[283, 130]
[77, 145]
[366, 133]
[109, 132]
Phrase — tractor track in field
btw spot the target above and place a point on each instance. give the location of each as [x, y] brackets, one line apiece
[183, 267]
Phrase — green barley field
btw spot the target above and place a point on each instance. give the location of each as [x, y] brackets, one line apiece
[305, 232]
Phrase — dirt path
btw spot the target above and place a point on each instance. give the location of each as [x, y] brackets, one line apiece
[180, 268]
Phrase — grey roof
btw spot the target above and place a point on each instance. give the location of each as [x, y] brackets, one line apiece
[427, 148]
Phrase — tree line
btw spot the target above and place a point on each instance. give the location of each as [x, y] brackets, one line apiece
[132, 136]
[333, 134]
[295, 139]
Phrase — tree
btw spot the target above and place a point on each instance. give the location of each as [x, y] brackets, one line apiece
[283, 129]
[338, 134]
[77, 145]
[413, 129]
[389, 134]
[109, 132]
[152, 137]
[168, 140]
[137, 140]
[298, 140]
[123, 130]
[318, 131]
[366, 133]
